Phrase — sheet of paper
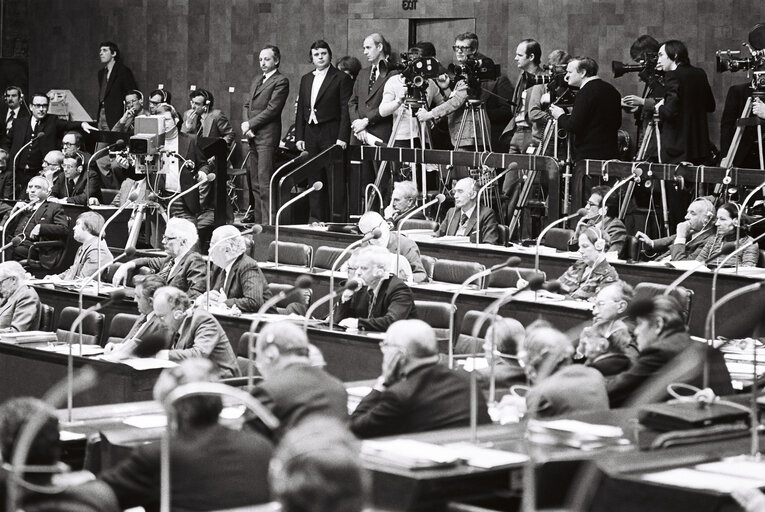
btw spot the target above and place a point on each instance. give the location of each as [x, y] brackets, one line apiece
[410, 450]
[736, 466]
[581, 428]
[146, 421]
[358, 391]
[695, 479]
[66, 435]
[148, 363]
[486, 458]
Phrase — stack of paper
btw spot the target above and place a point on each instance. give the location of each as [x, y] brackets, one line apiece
[723, 476]
[409, 454]
[19, 338]
[576, 434]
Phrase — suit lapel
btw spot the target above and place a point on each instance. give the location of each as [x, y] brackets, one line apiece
[174, 269]
[378, 83]
[112, 78]
[471, 221]
[207, 125]
[331, 75]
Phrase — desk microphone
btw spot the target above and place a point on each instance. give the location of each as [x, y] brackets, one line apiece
[96, 276]
[634, 175]
[726, 248]
[318, 185]
[301, 283]
[16, 157]
[132, 197]
[547, 228]
[374, 234]
[353, 285]
[23, 208]
[512, 261]
[440, 198]
[256, 229]
[486, 185]
[15, 242]
[209, 177]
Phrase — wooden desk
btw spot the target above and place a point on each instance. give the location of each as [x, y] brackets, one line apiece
[729, 317]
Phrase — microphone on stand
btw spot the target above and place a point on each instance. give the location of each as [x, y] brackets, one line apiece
[130, 199]
[512, 261]
[254, 230]
[511, 167]
[301, 283]
[16, 157]
[353, 285]
[374, 234]
[23, 208]
[210, 177]
[440, 198]
[635, 175]
[547, 228]
[115, 297]
[15, 242]
[119, 146]
[741, 210]
[314, 188]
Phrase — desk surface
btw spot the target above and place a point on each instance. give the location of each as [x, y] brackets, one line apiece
[732, 318]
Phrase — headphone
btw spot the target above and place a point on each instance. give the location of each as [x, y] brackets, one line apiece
[163, 93]
[600, 242]
[207, 95]
[137, 93]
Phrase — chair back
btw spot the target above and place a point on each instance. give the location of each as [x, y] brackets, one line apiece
[508, 277]
[420, 224]
[92, 326]
[46, 317]
[325, 257]
[291, 253]
[504, 234]
[120, 326]
[428, 262]
[465, 339]
[436, 315]
[453, 271]
[241, 354]
[683, 295]
[558, 238]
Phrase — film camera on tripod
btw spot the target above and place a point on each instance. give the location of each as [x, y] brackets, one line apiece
[474, 71]
[558, 90]
[417, 71]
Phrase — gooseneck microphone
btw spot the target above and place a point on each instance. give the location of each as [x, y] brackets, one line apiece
[119, 146]
[486, 185]
[15, 242]
[318, 185]
[547, 228]
[209, 177]
[353, 285]
[124, 204]
[16, 158]
[23, 208]
[440, 198]
[635, 175]
[725, 248]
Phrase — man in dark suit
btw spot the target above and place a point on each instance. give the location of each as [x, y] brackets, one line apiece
[194, 332]
[262, 114]
[74, 186]
[114, 82]
[461, 219]
[690, 235]
[321, 122]
[41, 220]
[367, 124]
[47, 129]
[146, 326]
[12, 108]
[212, 466]
[596, 115]
[414, 393]
[747, 154]
[292, 389]
[383, 298]
[183, 268]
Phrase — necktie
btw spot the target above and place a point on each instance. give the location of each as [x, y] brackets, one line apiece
[34, 126]
[164, 272]
[371, 294]
[9, 121]
[463, 219]
[372, 77]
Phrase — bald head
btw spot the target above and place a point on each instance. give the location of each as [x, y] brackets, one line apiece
[371, 221]
[415, 336]
[279, 343]
[465, 192]
[546, 349]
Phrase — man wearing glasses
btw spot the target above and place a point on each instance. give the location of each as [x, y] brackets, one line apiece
[462, 218]
[46, 130]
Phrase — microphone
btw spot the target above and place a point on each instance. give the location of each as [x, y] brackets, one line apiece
[24, 207]
[352, 284]
[551, 225]
[16, 157]
[316, 187]
[374, 234]
[440, 198]
[15, 242]
[129, 253]
[119, 145]
[301, 283]
[634, 175]
[254, 230]
[512, 261]
[511, 167]
[208, 178]
[132, 197]
[726, 248]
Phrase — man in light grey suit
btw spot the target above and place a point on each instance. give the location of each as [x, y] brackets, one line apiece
[20, 310]
[203, 120]
[262, 125]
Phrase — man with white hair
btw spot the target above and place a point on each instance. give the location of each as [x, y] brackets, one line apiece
[293, 388]
[402, 199]
[383, 300]
[20, 310]
[414, 393]
[462, 218]
[558, 386]
[690, 235]
[194, 332]
[183, 267]
[86, 230]
[408, 249]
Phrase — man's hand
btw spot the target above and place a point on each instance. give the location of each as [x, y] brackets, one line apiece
[201, 176]
[684, 229]
[644, 238]
[245, 127]
[350, 323]
[122, 161]
[633, 101]
[758, 108]
[120, 275]
[340, 143]
[56, 200]
[443, 81]
[35, 232]
[87, 128]
[300, 144]
[425, 115]
[93, 201]
[362, 136]
[659, 104]
[556, 111]
[359, 125]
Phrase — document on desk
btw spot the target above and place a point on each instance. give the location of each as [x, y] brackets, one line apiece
[486, 458]
[695, 479]
[146, 421]
[87, 350]
[20, 338]
[148, 363]
[408, 453]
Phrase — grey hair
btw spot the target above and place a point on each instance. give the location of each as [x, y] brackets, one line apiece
[186, 228]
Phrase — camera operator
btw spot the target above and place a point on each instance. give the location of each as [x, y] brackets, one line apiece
[747, 155]
[645, 52]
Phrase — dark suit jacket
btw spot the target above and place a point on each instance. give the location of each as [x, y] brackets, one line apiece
[246, 286]
[746, 156]
[684, 128]
[23, 113]
[595, 120]
[300, 391]
[120, 82]
[499, 111]
[506, 374]
[54, 225]
[21, 311]
[331, 104]
[655, 357]
[202, 336]
[366, 103]
[263, 108]
[573, 388]
[77, 194]
[33, 155]
[210, 468]
[214, 125]
[394, 301]
[689, 251]
[610, 363]
[190, 275]
[489, 228]
[428, 397]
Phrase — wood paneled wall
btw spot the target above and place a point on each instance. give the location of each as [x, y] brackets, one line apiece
[214, 43]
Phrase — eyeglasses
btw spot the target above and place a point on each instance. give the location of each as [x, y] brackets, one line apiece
[463, 49]
[68, 144]
[592, 203]
[48, 164]
[38, 105]
[166, 238]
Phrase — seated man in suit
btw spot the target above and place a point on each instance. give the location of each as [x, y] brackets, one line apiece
[52, 166]
[462, 218]
[75, 186]
[293, 388]
[212, 466]
[383, 298]
[20, 309]
[183, 268]
[690, 235]
[408, 249]
[402, 199]
[146, 326]
[414, 393]
[558, 386]
[193, 332]
[605, 345]
[507, 335]
[40, 220]
[86, 231]
[77, 490]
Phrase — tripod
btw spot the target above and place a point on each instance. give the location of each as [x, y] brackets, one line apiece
[744, 120]
[475, 111]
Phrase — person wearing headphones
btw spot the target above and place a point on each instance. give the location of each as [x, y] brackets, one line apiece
[591, 271]
[203, 120]
[13, 108]
[690, 235]
[728, 230]
[133, 108]
[158, 97]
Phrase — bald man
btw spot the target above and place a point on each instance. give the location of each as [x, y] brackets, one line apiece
[405, 247]
[691, 234]
[461, 220]
[414, 393]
